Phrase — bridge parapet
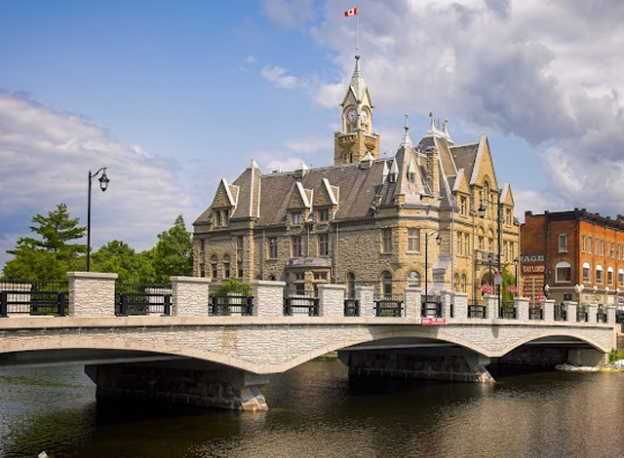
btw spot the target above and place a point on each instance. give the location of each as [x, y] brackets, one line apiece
[91, 294]
[189, 296]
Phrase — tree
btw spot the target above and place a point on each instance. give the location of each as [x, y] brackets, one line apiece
[173, 254]
[50, 256]
[117, 257]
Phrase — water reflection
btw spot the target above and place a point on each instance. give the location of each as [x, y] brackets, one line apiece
[317, 411]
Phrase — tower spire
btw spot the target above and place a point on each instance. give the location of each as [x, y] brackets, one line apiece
[407, 141]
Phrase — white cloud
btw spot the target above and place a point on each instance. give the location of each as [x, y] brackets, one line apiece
[548, 73]
[46, 157]
[277, 75]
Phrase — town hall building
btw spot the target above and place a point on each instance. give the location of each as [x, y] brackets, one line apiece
[365, 220]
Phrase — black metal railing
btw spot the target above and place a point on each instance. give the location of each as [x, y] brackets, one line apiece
[142, 299]
[507, 310]
[301, 303]
[582, 315]
[33, 298]
[231, 304]
[536, 312]
[476, 309]
[351, 307]
[601, 315]
[431, 307]
[561, 314]
[389, 306]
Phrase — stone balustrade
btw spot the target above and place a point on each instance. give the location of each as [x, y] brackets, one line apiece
[93, 295]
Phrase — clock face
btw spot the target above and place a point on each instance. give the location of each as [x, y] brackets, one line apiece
[364, 117]
[351, 115]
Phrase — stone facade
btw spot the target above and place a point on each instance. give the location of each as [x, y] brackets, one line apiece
[365, 221]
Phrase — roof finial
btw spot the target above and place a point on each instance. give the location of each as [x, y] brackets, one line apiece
[407, 141]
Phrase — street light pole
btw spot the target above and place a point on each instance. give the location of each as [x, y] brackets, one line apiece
[482, 212]
[103, 186]
[438, 240]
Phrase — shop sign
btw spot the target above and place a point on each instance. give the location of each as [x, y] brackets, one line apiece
[532, 258]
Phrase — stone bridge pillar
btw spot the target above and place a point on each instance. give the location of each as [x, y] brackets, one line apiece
[413, 308]
[331, 299]
[196, 383]
[446, 301]
[611, 314]
[522, 307]
[189, 296]
[548, 310]
[460, 305]
[592, 311]
[491, 306]
[571, 311]
[91, 294]
[364, 294]
[268, 298]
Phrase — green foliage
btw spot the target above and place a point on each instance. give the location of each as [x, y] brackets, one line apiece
[173, 254]
[117, 257]
[233, 286]
[508, 280]
[615, 355]
[50, 256]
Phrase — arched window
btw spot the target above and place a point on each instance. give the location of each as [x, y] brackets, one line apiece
[456, 282]
[413, 280]
[464, 283]
[620, 277]
[387, 284]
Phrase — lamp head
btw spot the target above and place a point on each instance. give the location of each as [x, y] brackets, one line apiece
[481, 211]
[104, 180]
[438, 239]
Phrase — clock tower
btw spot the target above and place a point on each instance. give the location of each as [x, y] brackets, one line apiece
[356, 138]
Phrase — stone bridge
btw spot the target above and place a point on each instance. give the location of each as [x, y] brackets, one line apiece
[222, 360]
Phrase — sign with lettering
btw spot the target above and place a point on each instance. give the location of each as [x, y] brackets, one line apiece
[427, 321]
[532, 258]
[529, 270]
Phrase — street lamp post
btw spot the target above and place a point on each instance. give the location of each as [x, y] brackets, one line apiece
[103, 186]
[438, 241]
[482, 211]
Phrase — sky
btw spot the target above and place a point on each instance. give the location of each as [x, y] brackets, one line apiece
[173, 95]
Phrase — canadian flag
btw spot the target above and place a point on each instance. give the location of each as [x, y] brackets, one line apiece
[351, 12]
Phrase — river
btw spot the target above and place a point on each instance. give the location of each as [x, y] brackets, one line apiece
[316, 411]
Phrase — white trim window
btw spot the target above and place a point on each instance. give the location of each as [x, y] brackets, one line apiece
[620, 277]
[563, 272]
[610, 276]
[563, 243]
[599, 274]
[586, 273]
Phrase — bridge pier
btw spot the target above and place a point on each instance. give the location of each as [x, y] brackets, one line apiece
[181, 382]
[451, 364]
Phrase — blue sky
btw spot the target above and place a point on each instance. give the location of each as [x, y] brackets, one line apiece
[173, 95]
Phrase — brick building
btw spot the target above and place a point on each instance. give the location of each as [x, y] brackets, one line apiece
[364, 219]
[573, 255]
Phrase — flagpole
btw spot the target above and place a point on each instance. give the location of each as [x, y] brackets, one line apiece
[357, 31]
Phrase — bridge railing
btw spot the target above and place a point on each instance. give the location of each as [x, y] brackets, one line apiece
[561, 314]
[508, 310]
[476, 309]
[389, 305]
[536, 312]
[351, 307]
[231, 305]
[142, 299]
[301, 303]
[431, 306]
[33, 298]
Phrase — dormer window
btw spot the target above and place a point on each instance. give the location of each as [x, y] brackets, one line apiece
[323, 215]
[297, 218]
[226, 218]
[218, 219]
